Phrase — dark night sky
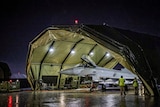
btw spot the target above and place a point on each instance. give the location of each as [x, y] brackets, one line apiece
[22, 20]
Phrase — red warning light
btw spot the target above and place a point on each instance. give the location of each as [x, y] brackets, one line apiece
[10, 81]
[76, 21]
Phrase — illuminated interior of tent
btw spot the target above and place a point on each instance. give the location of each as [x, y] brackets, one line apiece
[58, 49]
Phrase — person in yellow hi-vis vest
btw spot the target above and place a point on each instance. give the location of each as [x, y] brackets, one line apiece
[135, 85]
[121, 83]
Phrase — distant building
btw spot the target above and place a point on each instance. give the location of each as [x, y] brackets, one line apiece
[22, 78]
[5, 72]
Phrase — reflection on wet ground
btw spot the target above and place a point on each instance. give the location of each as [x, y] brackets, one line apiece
[75, 99]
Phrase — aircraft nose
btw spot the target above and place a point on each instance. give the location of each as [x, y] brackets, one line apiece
[63, 72]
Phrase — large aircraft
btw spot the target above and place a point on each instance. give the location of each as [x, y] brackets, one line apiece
[97, 73]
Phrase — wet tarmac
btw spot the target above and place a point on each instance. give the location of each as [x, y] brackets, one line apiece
[74, 98]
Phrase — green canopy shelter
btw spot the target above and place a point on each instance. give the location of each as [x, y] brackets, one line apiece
[61, 46]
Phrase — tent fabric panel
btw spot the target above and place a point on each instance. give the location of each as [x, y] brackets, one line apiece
[111, 64]
[105, 60]
[75, 58]
[35, 68]
[39, 53]
[98, 53]
[49, 70]
[57, 55]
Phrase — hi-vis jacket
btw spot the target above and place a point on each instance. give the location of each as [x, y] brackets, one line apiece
[135, 83]
[121, 82]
